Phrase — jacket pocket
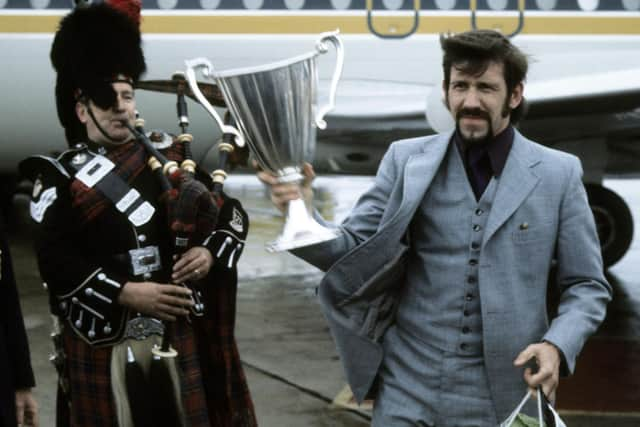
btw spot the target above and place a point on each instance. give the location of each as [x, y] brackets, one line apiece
[385, 278]
[528, 233]
[372, 307]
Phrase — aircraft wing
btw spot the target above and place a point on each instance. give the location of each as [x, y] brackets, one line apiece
[379, 100]
[395, 102]
[609, 92]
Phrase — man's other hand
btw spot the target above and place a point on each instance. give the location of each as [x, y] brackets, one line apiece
[281, 194]
[548, 359]
[26, 408]
[164, 302]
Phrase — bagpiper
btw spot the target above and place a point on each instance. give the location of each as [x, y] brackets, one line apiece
[145, 325]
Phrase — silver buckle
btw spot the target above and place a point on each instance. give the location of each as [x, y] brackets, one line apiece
[145, 260]
[141, 328]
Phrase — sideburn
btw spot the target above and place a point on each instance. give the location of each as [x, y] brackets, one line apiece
[506, 109]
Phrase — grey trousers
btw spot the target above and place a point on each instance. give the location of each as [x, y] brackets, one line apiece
[423, 386]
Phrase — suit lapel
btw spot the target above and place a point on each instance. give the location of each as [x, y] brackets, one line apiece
[514, 185]
[418, 174]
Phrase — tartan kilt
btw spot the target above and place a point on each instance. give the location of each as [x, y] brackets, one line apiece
[228, 397]
[90, 392]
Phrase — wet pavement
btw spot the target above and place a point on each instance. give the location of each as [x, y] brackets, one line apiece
[291, 363]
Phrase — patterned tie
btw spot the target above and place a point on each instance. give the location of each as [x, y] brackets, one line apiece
[479, 168]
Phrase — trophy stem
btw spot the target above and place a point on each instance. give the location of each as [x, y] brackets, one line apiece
[300, 229]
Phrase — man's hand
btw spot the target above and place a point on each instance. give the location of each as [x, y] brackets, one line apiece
[281, 194]
[548, 359]
[164, 302]
[26, 408]
[194, 264]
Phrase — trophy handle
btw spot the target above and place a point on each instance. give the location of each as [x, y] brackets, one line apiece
[321, 47]
[192, 65]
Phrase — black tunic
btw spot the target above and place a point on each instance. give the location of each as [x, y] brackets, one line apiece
[15, 364]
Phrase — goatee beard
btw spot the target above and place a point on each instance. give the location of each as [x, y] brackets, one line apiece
[474, 112]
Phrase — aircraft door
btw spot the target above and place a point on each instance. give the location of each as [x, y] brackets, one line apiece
[473, 5]
[393, 23]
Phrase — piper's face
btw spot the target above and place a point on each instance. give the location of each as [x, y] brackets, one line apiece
[480, 104]
[110, 120]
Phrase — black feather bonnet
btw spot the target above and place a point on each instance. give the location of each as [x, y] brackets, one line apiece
[94, 46]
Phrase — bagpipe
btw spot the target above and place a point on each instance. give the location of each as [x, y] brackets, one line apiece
[199, 214]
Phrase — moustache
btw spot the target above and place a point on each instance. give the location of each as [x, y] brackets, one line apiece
[472, 112]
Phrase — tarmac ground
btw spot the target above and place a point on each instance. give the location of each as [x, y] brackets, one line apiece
[292, 366]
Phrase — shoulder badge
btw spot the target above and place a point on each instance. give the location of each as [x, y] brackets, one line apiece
[236, 221]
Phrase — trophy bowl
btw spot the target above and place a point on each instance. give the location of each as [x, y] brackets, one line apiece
[274, 107]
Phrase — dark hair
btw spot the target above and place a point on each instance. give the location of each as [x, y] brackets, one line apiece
[472, 51]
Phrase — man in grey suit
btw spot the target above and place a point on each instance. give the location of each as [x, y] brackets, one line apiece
[435, 290]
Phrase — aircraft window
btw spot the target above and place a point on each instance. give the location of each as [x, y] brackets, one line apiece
[546, 4]
[392, 4]
[631, 4]
[445, 4]
[341, 4]
[209, 4]
[39, 4]
[497, 4]
[167, 4]
[253, 4]
[588, 5]
[294, 4]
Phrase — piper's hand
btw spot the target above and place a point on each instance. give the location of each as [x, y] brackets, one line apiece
[26, 408]
[194, 264]
[548, 359]
[164, 302]
[281, 194]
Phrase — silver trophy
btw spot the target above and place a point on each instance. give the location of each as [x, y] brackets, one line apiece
[274, 107]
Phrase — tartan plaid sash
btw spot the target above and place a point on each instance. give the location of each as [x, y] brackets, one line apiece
[129, 160]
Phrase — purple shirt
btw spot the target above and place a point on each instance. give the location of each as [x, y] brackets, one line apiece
[482, 161]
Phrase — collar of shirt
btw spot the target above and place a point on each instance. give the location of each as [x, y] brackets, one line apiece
[498, 149]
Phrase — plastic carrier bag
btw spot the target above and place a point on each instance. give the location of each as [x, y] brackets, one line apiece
[547, 416]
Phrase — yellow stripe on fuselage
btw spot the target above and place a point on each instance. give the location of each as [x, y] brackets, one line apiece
[198, 23]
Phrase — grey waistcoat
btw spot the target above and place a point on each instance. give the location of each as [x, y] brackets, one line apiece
[441, 302]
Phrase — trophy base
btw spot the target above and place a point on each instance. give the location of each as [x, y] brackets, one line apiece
[300, 230]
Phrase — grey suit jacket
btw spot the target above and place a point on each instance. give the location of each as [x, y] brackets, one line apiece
[540, 213]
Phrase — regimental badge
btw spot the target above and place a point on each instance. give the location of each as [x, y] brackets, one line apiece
[37, 188]
[236, 221]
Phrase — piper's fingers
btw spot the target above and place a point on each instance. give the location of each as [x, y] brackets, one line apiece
[176, 291]
[184, 260]
[176, 301]
[172, 310]
[187, 271]
[162, 315]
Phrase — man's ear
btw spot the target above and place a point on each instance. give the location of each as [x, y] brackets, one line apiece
[81, 112]
[516, 96]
